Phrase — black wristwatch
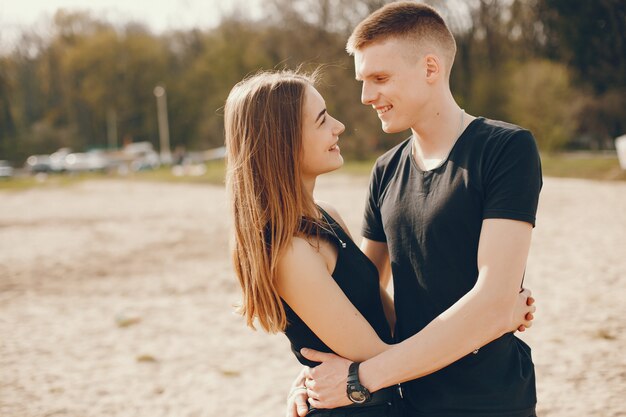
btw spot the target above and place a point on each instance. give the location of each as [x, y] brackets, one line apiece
[357, 393]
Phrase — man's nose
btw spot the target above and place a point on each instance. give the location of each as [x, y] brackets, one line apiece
[368, 95]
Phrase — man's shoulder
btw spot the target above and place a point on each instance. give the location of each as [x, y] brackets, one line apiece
[393, 155]
[497, 130]
[490, 137]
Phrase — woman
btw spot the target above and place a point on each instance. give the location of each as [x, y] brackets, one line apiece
[298, 267]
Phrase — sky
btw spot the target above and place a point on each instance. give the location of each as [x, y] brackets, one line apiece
[159, 15]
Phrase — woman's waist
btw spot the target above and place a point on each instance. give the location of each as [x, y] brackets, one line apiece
[386, 396]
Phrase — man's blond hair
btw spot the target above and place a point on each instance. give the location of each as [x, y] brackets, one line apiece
[418, 23]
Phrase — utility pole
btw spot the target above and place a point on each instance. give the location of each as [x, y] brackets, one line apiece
[112, 128]
[164, 130]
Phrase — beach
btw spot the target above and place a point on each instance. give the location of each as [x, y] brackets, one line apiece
[117, 298]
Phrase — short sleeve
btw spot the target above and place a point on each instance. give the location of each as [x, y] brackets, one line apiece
[372, 221]
[512, 179]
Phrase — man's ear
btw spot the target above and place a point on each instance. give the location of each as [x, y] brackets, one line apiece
[433, 67]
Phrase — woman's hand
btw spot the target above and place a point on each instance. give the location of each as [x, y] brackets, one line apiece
[297, 405]
[525, 308]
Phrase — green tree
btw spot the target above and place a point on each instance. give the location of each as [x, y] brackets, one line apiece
[590, 36]
[541, 98]
[8, 130]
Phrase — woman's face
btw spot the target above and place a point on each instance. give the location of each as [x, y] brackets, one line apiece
[320, 134]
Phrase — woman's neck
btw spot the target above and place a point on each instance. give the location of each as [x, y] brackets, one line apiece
[309, 188]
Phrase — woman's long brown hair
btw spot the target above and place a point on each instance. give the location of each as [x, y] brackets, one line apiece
[263, 128]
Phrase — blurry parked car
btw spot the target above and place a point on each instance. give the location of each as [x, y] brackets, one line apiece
[47, 163]
[57, 159]
[38, 163]
[6, 170]
[215, 153]
[88, 161]
[142, 156]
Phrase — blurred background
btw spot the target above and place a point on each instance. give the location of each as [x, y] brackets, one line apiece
[117, 292]
[83, 76]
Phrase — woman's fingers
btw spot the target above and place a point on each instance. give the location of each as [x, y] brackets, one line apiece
[529, 317]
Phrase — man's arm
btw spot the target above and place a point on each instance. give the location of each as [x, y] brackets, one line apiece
[485, 313]
[378, 253]
[482, 315]
[388, 308]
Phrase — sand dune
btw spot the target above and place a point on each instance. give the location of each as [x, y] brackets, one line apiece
[116, 299]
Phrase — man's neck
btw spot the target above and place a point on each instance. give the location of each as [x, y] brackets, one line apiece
[435, 135]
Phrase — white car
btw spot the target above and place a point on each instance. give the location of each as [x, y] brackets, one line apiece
[38, 163]
[88, 161]
[142, 156]
[54, 162]
[6, 170]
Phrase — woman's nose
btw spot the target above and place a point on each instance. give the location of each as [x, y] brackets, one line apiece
[340, 128]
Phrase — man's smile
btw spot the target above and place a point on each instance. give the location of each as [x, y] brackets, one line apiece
[382, 109]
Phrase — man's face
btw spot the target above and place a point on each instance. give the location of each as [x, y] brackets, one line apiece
[394, 83]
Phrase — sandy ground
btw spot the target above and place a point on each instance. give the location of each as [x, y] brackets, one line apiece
[116, 299]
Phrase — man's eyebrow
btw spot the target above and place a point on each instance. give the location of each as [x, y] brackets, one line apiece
[370, 75]
[320, 115]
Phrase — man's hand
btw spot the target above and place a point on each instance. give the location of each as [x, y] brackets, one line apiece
[326, 383]
[525, 306]
[297, 398]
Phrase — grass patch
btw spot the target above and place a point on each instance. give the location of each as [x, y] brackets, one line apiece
[362, 167]
[212, 174]
[47, 181]
[146, 358]
[588, 166]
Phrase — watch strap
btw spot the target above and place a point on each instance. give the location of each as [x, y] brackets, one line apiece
[353, 374]
[356, 392]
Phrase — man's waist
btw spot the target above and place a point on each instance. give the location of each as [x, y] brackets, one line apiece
[473, 390]
[526, 412]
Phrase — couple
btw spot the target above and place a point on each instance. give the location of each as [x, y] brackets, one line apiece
[449, 215]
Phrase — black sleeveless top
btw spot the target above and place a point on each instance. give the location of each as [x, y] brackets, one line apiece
[357, 277]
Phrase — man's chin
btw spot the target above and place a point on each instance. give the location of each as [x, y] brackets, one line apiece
[387, 128]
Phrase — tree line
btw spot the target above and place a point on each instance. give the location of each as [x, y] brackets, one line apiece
[557, 67]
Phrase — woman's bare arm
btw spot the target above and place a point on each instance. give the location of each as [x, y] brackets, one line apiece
[306, 285]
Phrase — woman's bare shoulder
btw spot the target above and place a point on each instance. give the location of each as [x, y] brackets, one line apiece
[300, 251]
[334, 214]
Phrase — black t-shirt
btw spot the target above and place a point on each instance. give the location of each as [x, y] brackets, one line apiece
[357, 277]
[431, 221]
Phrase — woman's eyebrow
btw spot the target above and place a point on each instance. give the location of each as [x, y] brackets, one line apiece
[320, 115]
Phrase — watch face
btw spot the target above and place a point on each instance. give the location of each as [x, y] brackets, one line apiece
[357, 397]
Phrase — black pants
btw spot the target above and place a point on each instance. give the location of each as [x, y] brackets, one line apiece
[391, 409]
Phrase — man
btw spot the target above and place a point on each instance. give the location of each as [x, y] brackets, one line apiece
[451, 209]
